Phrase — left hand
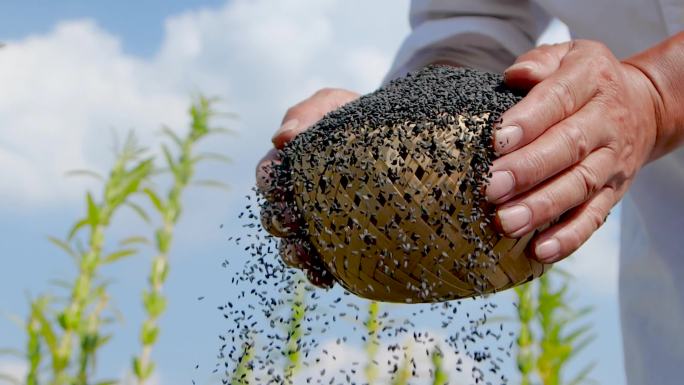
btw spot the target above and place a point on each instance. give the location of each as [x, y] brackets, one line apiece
[572, 146]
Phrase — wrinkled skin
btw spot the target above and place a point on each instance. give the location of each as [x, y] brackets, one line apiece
[568, 151]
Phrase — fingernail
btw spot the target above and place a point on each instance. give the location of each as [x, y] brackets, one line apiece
[547, 250]
[514, 218]
[506, 137]
[287, 126]
[500, 184]
[527, 65]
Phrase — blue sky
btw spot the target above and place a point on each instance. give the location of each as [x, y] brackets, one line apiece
[74, 70]
[139, 24]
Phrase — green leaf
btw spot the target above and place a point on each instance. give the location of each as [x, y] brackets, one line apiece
[212, 183]
[64, 284]
[38, 312]
[93, 211]
[169, 132]
[108, 382]
[149, 333]
[117, 255]
[64, 246]
[221, 130]
[88, 173]
[102, 340]
[134, 240]
[169, 160]
[583, 375]
[154, 303]
[140, 371]
[163, 240]
[212, 156]
[139, 210]
[154, 198]
[76, 228]
[580, 346]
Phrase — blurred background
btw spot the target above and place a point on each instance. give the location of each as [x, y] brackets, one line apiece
[74, 73]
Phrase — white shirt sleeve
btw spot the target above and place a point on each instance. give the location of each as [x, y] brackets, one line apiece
[483, 34]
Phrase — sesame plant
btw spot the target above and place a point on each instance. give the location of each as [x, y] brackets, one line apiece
[372, 341]
[551, 333]
[294, 333]
[72, 333]
[66, 332]
[439, 375]
[182, 168]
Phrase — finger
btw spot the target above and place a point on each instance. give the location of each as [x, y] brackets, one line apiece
[279, 219]
[557, 97]
[264, 174]
[292, 253]
[536, 65]
[562, 193]
[562, 239]
[320, 277]
[303, 115]
[562, 146]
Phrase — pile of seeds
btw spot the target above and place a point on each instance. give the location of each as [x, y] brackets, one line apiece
[423, 141]
[388, 191]
[272, 313]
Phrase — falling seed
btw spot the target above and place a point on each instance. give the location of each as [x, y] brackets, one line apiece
[441, 121]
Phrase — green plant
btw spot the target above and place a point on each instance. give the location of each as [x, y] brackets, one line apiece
[63, 342]
[403, 372]
[243, 372]
[439, 375]
[294, 333]
[169, 207]
[560, 333]
[372, 342]
[525, 341]
[75, 328]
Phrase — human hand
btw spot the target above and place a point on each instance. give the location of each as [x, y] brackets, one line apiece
[571, 148]
[278, 217]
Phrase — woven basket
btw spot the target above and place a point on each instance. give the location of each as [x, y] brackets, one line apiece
[396, 211]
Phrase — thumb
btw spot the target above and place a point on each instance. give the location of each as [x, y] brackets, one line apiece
[536, 65]
[303, 115]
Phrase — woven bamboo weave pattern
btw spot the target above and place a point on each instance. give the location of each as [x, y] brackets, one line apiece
[395, 206]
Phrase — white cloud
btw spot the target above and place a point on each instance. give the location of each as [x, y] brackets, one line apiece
[63, 91]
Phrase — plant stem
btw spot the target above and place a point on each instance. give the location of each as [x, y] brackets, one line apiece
[70, 319]
[440, 377]
[182, 169]
[371, 324]
[526, 309]
[294, 334]
[33, 348]
[91, 338]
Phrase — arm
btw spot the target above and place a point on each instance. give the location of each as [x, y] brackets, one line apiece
[663, 65]
[483, 34]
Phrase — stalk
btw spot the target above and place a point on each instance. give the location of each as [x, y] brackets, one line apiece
[123, 182]
[526, 340]
[372, 342]
[182, 169]
[294, 334]
[91, 339]
[404, 373]
[33, 347]
[440, 376]
[242, 374]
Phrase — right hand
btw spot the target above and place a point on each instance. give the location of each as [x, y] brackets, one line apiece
[278, 219]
